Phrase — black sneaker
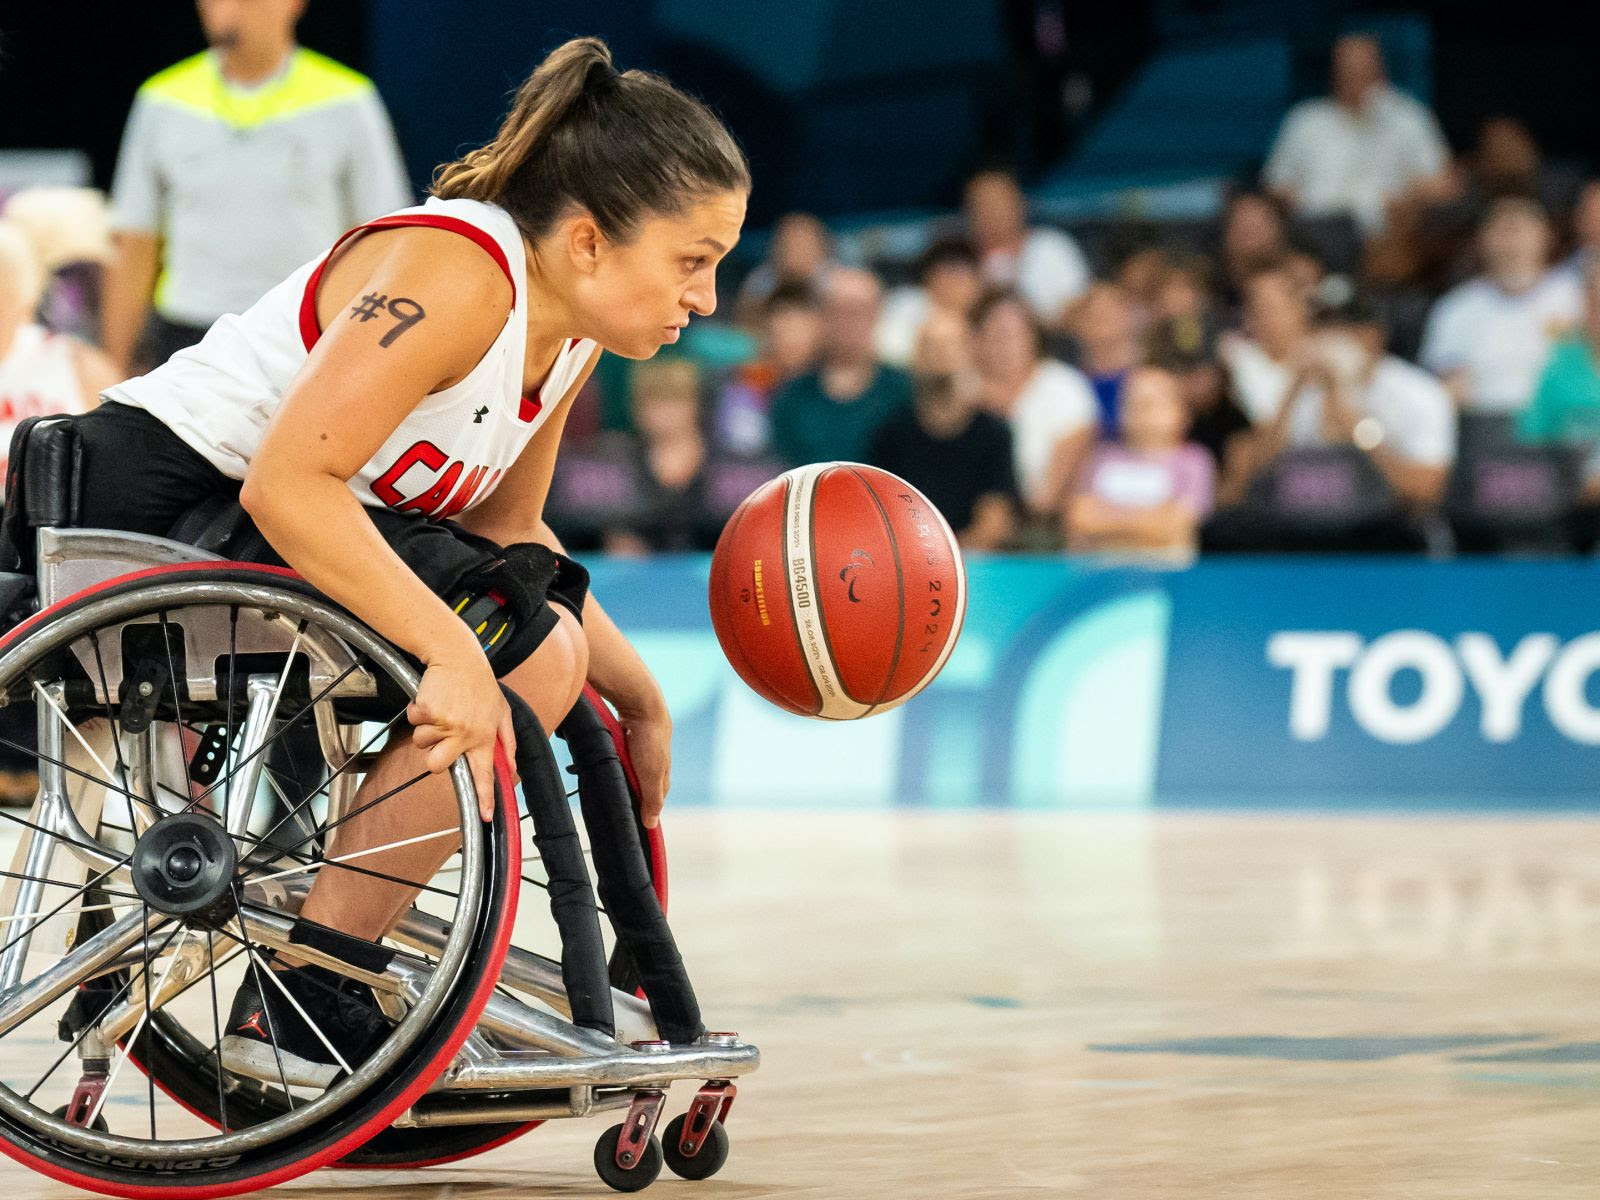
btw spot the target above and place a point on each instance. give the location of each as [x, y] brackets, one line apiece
[267, 1039]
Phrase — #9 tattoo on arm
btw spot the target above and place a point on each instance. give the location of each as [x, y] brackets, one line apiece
[406, 312]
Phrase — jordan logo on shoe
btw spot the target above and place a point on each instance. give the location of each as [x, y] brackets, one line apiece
[254, 1023]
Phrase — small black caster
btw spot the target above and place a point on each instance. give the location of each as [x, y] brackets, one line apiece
[634, 1177]
[98, 1125]
[707, 1161]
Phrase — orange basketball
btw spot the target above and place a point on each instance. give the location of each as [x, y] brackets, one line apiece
[837, 591]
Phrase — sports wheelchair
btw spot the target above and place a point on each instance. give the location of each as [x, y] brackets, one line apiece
[170, 848]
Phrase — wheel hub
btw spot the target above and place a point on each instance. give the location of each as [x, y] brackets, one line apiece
[184, 865]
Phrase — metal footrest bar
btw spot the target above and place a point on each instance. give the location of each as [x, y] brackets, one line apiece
[627, 1068]
[548, 1105]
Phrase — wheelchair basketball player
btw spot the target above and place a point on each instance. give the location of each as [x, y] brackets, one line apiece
[389, 417]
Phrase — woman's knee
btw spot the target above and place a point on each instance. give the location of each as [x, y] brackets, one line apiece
[551, 678]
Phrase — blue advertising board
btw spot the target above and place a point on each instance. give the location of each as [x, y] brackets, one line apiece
[1260, 682]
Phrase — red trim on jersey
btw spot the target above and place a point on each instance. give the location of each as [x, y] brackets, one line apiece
[310, 331]
[533, 405]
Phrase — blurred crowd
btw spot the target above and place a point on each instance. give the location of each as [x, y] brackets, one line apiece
[1377, 345]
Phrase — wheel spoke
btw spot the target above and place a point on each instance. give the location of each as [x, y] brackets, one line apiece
[339, 771]
[122, 991]
[216, 1028]
[149, 1003]
[86, 908]
[314, 982]
[15, 938]
[59, 883]
[82, 741]
[266, 745]
[271, 777]
[116, 738]
[255, 969]
[177, 702]
[133, 1037]
[16, 820]
[342, 859]
[227, 773]
[329, 826]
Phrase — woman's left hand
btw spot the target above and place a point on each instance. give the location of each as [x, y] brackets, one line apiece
[648, 732]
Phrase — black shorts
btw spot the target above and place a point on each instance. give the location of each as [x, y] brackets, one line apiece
[137, 475]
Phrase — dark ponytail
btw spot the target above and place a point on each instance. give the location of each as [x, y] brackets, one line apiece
[579, 134]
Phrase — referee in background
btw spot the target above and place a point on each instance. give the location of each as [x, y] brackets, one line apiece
[237, 165]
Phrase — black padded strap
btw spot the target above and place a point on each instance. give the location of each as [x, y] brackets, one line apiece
[625, 887]
[358, 952]
[572, 904]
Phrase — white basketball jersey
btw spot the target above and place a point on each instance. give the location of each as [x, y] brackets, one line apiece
[451, 450]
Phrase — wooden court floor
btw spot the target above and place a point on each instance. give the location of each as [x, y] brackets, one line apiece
[1196, 1006]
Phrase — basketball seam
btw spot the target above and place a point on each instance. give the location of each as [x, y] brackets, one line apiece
[816, 587]
[738, 643]
[900, 593]
[960, 571]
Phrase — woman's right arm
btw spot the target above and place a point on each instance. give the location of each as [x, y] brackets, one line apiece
[375, 361]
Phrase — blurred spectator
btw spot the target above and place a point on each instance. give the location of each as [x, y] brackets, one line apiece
[1489, 338]
[1265, 361]
[947, 279]
[1254, 233]
[1043, 264]
[1585, 231]
[1566, 405]
[1141, 263]
[945, 446]
[1362, 148]
[70, 229]
[679, 491]
[1150, 491]
[238, 165]
[801, 252]
[40, 372]
[1427, 243]
[1214, 418]
[1346, 391]
[832, 412]
[1184, 314]
[791, 331]
[1305, 268]
[1107, 335]
[1507, 161]
[1050, 406]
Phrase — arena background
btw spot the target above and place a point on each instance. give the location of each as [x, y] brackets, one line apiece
[1075, 684]
[1217, 875]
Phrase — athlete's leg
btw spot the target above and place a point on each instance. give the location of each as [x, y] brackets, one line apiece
[550, 680]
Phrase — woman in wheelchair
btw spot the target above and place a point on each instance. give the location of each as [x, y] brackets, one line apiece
[389, 417]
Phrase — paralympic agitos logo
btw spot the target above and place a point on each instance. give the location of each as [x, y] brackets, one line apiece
[847, 573]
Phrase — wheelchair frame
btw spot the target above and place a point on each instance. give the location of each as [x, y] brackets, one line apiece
[520, 1064]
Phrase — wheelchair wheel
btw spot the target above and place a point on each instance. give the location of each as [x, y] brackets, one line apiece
[147, 888]
[405, 1148]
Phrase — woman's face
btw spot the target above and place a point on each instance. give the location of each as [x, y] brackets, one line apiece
[665, 413]
[954, 286]
[794, 333]
[1275, 308]
[1104, 315]
[637, 296]
[1005, 341]
[1154, 416]
[1253, 230]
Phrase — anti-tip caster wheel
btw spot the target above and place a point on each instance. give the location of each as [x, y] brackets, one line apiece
[707, 1161]
[99, 1125]
[626, 1179]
